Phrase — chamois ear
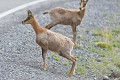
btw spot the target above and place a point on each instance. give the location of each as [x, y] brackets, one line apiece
[86, 1]
[29, 12]
[82, 0]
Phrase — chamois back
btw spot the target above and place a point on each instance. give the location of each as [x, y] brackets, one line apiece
[54, 41]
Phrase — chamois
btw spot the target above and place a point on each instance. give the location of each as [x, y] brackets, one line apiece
[72, 17]
[49, 40]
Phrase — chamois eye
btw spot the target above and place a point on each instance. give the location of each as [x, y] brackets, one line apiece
[28, 17]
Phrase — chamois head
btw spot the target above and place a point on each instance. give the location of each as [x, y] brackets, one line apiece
[29, 19]
[83, 4]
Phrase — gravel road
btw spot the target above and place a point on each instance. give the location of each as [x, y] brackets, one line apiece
[20, 56]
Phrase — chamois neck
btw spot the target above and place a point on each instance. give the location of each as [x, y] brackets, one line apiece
[37, 27]
[82, 12]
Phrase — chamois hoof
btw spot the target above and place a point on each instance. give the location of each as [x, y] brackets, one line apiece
[71, 74]
[45, 67]
[75, 44]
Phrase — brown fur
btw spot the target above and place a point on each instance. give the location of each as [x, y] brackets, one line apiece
[64, 16]
[49, 40]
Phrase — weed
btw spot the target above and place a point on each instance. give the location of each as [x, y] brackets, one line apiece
[97, 32]
[87, 31]
[116, 60]
[81, 69]
[55, 57]
[78, 46]
[116, 44]
[78, 56]
[111, 17]
[108, 49]
[66, 63]
[80, 37]
[116, 30]
[91, 49]
[104, 45]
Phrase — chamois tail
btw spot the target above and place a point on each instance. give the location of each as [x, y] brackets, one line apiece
[45, 13]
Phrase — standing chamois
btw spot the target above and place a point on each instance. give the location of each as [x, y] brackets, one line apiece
[64, 16]
[49, 40]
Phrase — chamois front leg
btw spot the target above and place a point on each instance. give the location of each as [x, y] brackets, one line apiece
[51, 24]
[74, 34]
[44, 52]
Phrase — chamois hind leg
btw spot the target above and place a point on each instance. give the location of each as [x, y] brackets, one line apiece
[72, 70]
[51, 24]
[74, 34]
[73, 59]
[44, 52]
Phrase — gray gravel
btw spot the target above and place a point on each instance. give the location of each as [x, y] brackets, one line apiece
[10, 4]
[20, 56]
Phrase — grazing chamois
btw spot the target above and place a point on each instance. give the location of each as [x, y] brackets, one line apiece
[64, 16]
[49, 40]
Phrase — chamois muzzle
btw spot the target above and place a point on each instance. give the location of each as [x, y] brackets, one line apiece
[23, 22]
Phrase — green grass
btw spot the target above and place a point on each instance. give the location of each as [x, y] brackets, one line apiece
[55, 57]
[66, 63]
[87, 31]
[97, 32]
[116, 30]
[81, 69]
[80, 37]
[107, 45]
[116, 44]
[78, 46]
[99, 67]
[116, 60]
[104, 45]
[102, 33]
[111, 17]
